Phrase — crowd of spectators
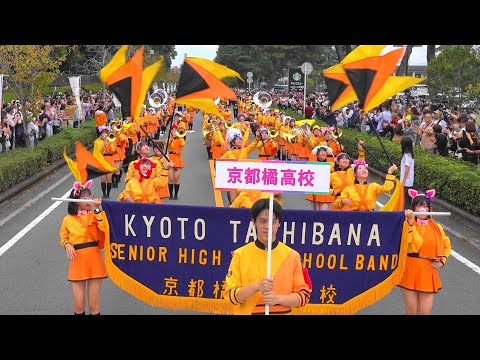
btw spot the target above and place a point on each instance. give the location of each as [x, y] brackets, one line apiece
[25, 125]
[451, 133]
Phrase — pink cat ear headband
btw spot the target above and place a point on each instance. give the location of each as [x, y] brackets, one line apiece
[77, 186]
[429, 194]
[358, 162]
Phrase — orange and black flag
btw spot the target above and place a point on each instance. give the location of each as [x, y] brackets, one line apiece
[201, 82]
[369, 76]
[128, 80]
[87, 165]
[339, 88]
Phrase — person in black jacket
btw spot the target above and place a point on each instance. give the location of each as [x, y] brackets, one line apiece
[441, 141]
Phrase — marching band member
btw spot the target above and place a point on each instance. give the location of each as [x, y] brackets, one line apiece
[322, 201]
[247, 198]
[342, 175]
[100, 116]
[119, 156]
[428, 250]
[246, 286]
[109, 148]
[363, 195]
[218, 139]
[267, 147]
[175, 147]
[82, 236]
[238, 149]
[162, 168]
[146, 187]
[142, 150]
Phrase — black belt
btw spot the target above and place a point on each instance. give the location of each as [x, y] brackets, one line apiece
[417, 255]
[175, 153]
[264, 155]
[85, 245]
[107, 154]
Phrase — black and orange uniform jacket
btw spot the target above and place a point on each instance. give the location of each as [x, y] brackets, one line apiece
[86, 234]
[424, 240]
[364, 196]
[248, 266]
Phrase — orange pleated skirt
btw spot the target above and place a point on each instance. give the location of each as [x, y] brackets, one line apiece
[88, 264]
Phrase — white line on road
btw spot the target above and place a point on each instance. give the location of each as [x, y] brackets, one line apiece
[30, 226]
[34, 200]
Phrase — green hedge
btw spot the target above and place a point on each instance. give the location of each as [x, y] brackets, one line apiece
[20, 164]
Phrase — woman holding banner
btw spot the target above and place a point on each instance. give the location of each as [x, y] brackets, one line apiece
[428, 250]
[247, 285]
[82, 236]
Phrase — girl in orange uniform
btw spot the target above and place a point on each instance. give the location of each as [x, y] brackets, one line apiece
[175, 147]
[322, 201]
[363, 195]
[428, 250]
[82, 236]
[146, 187]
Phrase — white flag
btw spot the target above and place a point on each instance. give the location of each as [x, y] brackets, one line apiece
[75, 85]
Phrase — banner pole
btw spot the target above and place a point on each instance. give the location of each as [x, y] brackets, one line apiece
[269, 248]
[73, 200]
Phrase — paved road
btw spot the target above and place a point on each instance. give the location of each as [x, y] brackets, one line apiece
[33, 265]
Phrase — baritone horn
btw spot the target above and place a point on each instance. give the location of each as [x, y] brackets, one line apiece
[158, 98]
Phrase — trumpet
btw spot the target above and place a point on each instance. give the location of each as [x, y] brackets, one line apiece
[116, 126]
[228, 124]
[112, 136]
[273, 133]
[181, 132]
[336, 133]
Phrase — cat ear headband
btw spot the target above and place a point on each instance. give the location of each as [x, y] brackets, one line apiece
[77, 186]
[429, 194]
[358, 162]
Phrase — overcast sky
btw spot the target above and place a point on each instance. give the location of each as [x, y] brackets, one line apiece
[418, 56]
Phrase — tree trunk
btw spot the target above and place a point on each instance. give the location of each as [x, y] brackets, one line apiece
[403, 68]
[340, 49]
[430, 53]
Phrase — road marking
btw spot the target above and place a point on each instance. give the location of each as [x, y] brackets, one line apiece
[30, 226]
[34, 200]
[217, 193]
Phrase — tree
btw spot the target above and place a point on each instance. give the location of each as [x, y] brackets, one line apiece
[30, 69]
[455, 73]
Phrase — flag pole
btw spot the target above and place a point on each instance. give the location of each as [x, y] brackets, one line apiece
[269, 247]
[373, 157]
[381, 143]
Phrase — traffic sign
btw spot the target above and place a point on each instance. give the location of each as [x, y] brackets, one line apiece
[249, 74]
[307, 68]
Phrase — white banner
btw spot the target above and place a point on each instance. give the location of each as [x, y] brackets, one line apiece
[273, 176]
[75, 85]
